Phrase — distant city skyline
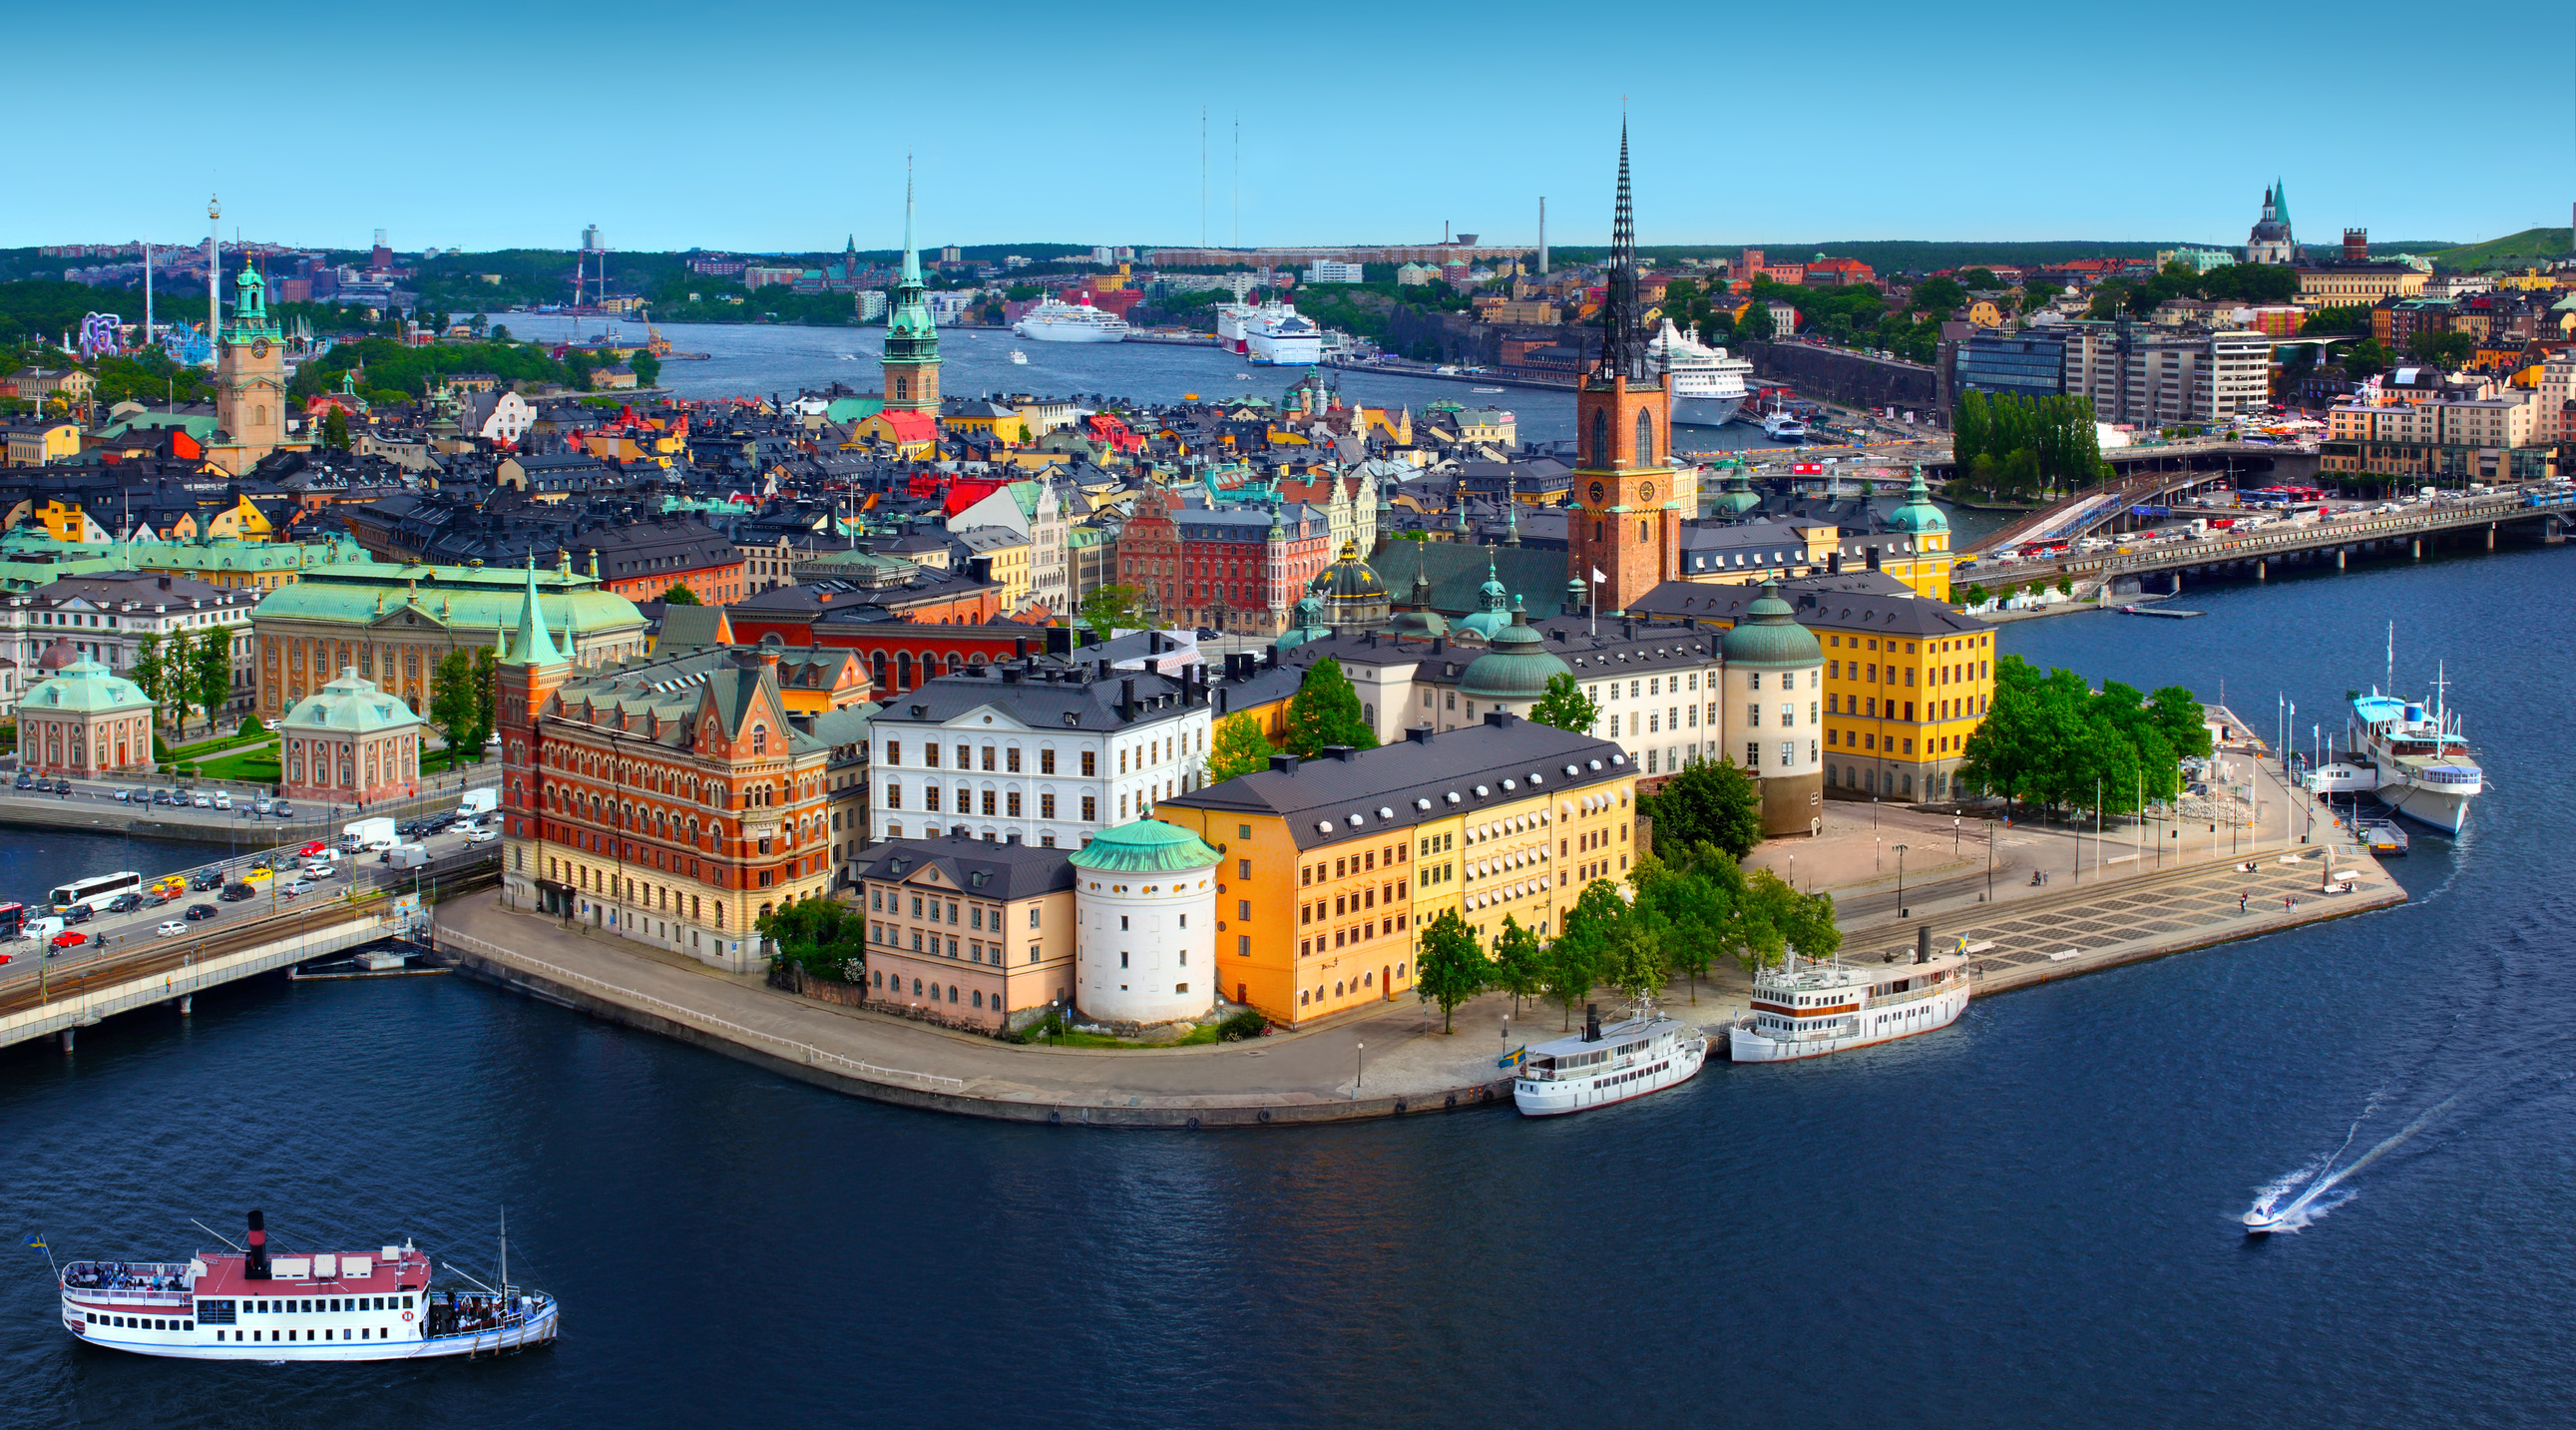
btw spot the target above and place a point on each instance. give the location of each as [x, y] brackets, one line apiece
[670, 134]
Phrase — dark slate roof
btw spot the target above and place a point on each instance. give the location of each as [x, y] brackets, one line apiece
[1386, 788]
[1856, 600]
[1040, 704]
[975, 868]
[1265, 686]
[1458, 574]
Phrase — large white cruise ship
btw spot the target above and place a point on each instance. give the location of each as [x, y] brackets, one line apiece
[1279, 335]
[1806, 1010]
[1708, 384]
[2412, 758]
[1056, 321]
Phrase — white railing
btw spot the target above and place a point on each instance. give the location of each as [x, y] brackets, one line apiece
[107, 999]
[690, 1017]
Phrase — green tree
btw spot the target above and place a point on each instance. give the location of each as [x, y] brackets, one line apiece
[1979, 280]
[2335, 321]
[679, 594]
[2365, 358]
[2066, 585]
[1326, 712]
[487, 672]
[1776, 919]
[335, 428]
[1708, 801]
[1688, 905]
[1939, 296]
[209, 671]
[1975, 595]
[1520, 963]
[151, 673]
[1238, 749]
[2448, 349]
[648, 368]
[1634, 962]
[452, 703]
[1449, 968]
[1564, 706]
[1109, 609]
[1582, 948]
[824, 936]
[1756, 325]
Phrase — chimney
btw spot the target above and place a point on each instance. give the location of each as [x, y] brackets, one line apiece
[2356, 245]
[1343, 753]
[1500, 719]
[1126, 697]
[1104, 670]
[1873, 558]
[1020, 648]
[1439, 644]
[1283, 764]
[1923, 943]
[255, 1262]
[1833, 563]
[1153, 642]
[1010, 675]
[1418, 735]
[1592, 1022]
[1628, 630]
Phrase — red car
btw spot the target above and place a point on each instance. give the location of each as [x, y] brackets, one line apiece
[314, 850]
[70, 938]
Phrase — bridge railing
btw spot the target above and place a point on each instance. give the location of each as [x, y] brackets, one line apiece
[91, 1001]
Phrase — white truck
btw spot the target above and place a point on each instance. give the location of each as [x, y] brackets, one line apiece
[368, 835]
[406, 856]
[477, 803]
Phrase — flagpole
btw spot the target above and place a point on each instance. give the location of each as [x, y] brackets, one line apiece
[37, 1240]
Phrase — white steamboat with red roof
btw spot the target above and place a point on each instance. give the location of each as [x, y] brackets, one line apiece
[323, 1306]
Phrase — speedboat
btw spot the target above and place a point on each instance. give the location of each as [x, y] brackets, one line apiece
[2263, 1221]
[1018, 356]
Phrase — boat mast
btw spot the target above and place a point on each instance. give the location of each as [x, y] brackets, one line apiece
[505, 1248]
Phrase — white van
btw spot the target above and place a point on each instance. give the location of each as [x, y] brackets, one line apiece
[41, 929]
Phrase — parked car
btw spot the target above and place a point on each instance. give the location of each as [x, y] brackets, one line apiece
[26, 780]
[125, 796]
[62, 786]
[70, 938]
[283, 810]
[197, 912]
[125, 903]
[160, 796]
[235, 893]
[79, 914]
[223, 799]
[202, 800]
[170, 928]
[263, 805]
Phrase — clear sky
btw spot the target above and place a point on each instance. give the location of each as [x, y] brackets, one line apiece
[784, 126]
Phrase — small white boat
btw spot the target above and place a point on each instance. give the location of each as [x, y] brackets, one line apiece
[2263, 1221]
[1484, 389]
[1642, 1053]
[1018, 356]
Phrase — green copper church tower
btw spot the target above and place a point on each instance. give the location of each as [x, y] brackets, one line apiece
[912, 340]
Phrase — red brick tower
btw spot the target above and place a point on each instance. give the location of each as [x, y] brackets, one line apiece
[1626, 525]
[530, 669]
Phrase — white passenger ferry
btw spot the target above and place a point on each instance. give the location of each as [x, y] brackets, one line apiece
[1645, 1052]
[1806, 1010]
[323, 1306]
[2412, 758]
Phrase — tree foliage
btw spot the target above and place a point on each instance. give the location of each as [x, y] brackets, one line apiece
[1109, 609]
[679, 594]
[2250, 283]
[407, 369]
[1449, 969]
[824, 936]
[2050, 740]
[1708, 802]
[1326, 712]
[1564, 706]
[1575, 961]
[1238, 749]
[452, 703]
[1520, 962]
[2005, 445]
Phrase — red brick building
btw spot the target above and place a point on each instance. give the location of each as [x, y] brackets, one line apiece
[1238, 568]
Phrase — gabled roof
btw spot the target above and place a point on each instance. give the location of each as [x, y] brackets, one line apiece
[974, 867]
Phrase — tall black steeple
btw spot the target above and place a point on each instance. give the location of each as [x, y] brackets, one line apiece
[1623, 346]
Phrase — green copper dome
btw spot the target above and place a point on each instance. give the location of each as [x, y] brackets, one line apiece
[1147, 846]
[1769, 637]
[1918, 515]
[1310, 625]
[1517, 669]
[1738, 498]
[1493, 613]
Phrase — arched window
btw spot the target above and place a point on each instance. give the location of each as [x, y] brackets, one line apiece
[1600, 438]
[1645, 436]
[1645, 532]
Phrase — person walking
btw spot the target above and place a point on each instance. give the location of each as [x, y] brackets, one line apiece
[2240, 903]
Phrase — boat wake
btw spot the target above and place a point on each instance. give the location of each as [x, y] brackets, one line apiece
[2299, 1199]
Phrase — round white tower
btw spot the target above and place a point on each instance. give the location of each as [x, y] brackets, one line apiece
[1144, 903]
[1773, 712]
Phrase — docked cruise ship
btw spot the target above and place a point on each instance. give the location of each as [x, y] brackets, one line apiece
[1231, 319]
[1806, 1010]
[1056, 321]
[1642, 1053]
[2410, 757]
[1278, 334]
[1708, 384]
[245, 1304]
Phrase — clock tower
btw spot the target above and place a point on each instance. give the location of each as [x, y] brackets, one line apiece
[250, 379]
[1630, 500]
[912, 337]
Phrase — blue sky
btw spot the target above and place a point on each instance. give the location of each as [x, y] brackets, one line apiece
[785, 126]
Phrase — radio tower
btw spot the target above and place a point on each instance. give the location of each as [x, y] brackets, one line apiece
[214, 273]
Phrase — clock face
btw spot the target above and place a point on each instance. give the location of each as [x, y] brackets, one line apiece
[1596, 491]
[1645, 491]
[259, 347]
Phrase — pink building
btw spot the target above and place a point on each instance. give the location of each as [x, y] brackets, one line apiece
[83, 720]
[349, 743]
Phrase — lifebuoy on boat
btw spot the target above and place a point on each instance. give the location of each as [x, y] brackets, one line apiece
[406, 1315]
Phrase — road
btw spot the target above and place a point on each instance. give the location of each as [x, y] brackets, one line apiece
[118, 941]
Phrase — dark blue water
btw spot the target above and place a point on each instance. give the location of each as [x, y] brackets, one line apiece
[2022, 1221]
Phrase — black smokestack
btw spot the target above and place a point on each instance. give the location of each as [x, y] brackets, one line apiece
[255, 1262]
[1923, 943]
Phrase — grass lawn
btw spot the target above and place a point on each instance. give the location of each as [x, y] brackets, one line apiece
[1206, 1033]
[441, 761]
[249, 767]
[204, 748]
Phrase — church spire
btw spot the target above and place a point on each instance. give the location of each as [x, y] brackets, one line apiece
[1622, 355]
[534, 646]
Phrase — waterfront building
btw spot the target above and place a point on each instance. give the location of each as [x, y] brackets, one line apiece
[1332, 865]
[81, 720]
[1624, 534]
[1050, 753]
[393, 624]
[2031, 365]
[107, 615]
[911, 365]
[2159, 377]
[1775, 671]
[1907, 678]
[1147, 921]
[969, 930]
[349, 743]
[671, 800]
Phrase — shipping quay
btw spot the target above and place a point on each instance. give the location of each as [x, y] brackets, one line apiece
[1391, 1060]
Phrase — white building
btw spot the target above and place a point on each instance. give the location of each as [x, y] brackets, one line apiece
[1144, 947]
[1326, 270]
[107, 616]
[1054, 754]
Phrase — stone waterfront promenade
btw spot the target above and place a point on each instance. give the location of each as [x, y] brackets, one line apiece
[2269, 867]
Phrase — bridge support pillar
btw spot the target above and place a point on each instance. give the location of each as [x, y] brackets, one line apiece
[67, 1039]
[2419, 548]
[2177, 583]
[2491, 526]
[2339, 554]
[2258, 570]
[187, 1004]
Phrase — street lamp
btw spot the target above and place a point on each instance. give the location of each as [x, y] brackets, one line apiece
[1954, 836]
[1359, 1069]
[1900, 882]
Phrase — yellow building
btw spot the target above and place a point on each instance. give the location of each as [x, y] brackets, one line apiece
[34, 443]
[978, 418]
[1987, 313]
[1010, 554]
[2357, 284]
[65, 521]
[1332, 866]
